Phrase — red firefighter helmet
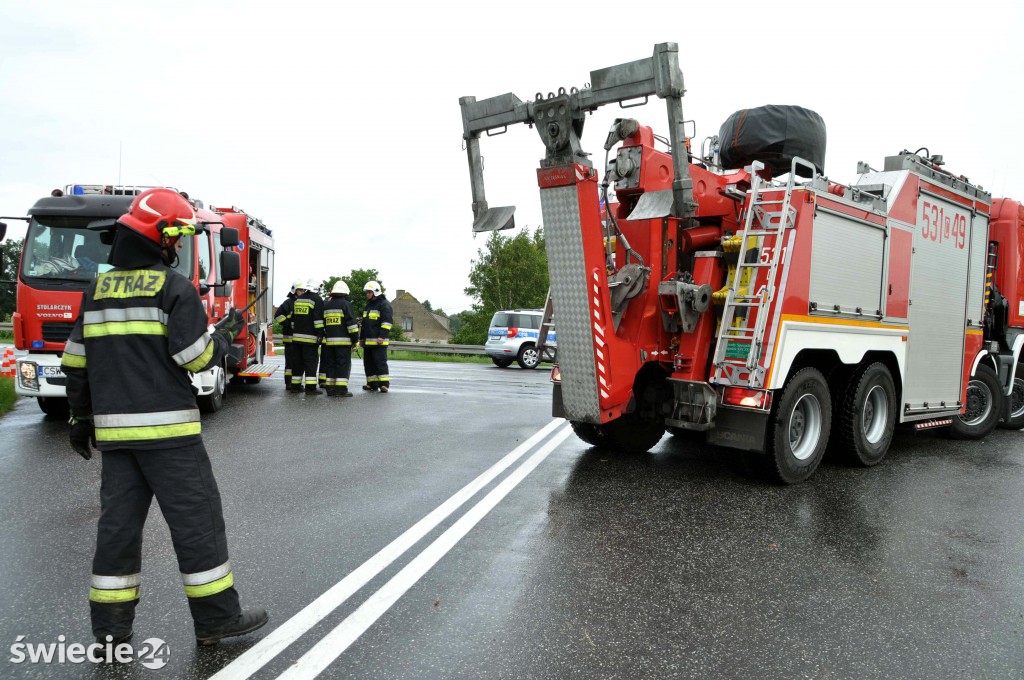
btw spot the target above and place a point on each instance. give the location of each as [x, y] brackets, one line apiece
[159, 214]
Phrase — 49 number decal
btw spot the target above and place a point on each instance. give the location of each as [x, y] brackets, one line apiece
[942, 223]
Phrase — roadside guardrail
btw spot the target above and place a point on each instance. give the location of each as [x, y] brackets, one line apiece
[437, 348]
[7, 327]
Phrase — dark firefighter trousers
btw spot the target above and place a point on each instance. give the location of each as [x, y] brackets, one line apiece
[182, 480]
[337, 364]
[375, 364]
[289, 362]
[307, 358]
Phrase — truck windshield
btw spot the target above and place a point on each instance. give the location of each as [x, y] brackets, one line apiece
[61, 248]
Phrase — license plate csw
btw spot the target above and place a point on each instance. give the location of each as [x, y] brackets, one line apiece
[51, 372]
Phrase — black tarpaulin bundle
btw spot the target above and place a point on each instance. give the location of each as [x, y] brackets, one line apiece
[773, 135]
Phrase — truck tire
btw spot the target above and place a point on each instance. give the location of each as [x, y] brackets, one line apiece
[1014, 416]
[867, 416]
[528, 357]
[798, 429]
[984, 406]
[629, 433]
[590, 433]
[54, 406]
[211, 403]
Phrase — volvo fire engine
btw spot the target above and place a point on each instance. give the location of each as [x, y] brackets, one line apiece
[740, 297]
[230, 261]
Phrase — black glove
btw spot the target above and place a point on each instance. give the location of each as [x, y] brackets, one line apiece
[230, 325]
[83, 433]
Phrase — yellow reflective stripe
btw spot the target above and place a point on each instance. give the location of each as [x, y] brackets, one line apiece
[200, 361]
[372, 315]
[375, 343]
[386, 326]
[126, 434]
[72, 361]
[109, 596]
[211, 588]
[335, 343]
[124, 328]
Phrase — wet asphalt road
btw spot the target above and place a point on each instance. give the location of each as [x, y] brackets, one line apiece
[590, 564]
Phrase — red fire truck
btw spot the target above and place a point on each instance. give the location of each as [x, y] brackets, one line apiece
[230, 261]
[776, 316]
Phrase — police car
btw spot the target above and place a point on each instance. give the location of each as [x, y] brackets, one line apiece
[513, 335]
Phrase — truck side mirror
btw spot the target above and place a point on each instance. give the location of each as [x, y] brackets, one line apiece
[230, 264]
[229, 237]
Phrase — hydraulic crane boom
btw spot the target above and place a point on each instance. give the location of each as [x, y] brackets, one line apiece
[559, 120]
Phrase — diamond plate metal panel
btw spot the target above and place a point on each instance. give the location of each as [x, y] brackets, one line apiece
[567, 271]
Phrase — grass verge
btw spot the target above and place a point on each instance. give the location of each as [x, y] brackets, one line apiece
[7, 395]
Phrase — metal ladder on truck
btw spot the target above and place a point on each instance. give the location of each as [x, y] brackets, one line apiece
[739, 349]
[546, 324]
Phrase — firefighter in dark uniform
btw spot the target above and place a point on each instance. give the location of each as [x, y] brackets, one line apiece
[307, 330]
[141, 330]
[311, 288]
[341, 329]
[283, 317]
[373, 338]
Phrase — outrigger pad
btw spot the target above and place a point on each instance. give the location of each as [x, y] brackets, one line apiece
[773, 135]
[494, 219]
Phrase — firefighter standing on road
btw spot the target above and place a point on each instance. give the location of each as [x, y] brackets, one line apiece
[341, 328]
[141, 330]
[283, 317]
[373, 338]
[311, 288]
[307, 329]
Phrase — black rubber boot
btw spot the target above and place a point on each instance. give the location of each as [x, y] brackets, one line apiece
[248, 621]
[331, 391]
[314, 390]
[343, 392]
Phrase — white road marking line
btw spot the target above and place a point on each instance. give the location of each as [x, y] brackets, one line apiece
[323, 654]
[257, 656]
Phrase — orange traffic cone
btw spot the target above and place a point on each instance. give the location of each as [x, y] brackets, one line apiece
[7, 369]
[270, 348]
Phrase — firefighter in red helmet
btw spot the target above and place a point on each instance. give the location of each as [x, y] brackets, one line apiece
[141, 330]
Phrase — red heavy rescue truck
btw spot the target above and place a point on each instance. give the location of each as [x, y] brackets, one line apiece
[230, 261]
[778, 317]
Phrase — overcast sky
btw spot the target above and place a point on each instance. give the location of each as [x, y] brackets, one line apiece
[338, 125]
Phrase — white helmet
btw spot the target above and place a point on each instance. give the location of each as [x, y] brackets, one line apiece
[299, 285]
[340, 288]
[373, 287]
[312, 285]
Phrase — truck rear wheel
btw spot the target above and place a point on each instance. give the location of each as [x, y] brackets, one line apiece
[590, 433]
[984, 406]
[630, 433]
[867, 416]
[1014, 418]
[54, 406]
[798, 429]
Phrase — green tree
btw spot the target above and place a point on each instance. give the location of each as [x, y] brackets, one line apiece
[11, 255]
[511, 272]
